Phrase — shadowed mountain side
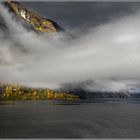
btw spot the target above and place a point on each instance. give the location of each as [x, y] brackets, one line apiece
[81, 89]
[2, 23]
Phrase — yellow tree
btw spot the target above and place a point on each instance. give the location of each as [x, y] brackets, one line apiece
[8, 91]
[34, 94]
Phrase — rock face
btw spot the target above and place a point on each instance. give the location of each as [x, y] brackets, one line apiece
[37, 22]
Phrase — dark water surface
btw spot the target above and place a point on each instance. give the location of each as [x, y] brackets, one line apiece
[69, 119]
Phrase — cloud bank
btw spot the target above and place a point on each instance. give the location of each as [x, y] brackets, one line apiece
[50, 60]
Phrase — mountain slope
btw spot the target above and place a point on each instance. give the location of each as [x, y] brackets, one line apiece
[37, 22]
[83, 91]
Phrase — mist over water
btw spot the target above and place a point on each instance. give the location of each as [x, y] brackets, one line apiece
[108, 51]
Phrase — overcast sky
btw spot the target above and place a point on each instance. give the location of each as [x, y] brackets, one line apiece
[78, 0]
[83, 14]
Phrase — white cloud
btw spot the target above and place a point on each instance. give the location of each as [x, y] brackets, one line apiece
[107, 51]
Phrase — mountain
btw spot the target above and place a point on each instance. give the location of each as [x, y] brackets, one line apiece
[83, 91]
[31, 18]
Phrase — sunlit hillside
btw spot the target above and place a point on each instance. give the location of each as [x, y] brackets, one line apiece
[15, 92]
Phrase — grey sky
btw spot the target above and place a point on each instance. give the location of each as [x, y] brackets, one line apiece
[76, 0]
[83, 14]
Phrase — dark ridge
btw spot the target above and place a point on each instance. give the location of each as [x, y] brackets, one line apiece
[2, 24]
[8, 6]
[58, 27]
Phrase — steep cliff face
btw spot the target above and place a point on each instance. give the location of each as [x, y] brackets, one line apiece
[37, 22]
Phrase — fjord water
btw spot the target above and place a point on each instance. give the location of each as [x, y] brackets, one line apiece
[70, 119]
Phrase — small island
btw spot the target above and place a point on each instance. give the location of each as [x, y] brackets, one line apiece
[15, 92]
